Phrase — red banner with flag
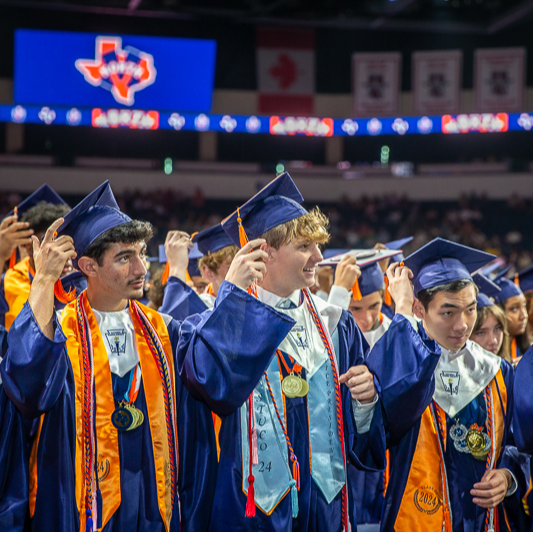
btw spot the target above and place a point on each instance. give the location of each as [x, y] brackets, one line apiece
[285, 71]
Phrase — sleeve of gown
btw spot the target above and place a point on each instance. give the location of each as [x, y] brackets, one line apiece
[223, 353]
[197, 455]
[523, 403]
[180, 301]
[34, 368]
[403, 362]
[366, 450]
[13, 467]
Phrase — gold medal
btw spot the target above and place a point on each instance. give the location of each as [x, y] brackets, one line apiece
[475, 442]
[138, 417]
[305, 388]
[292, 386]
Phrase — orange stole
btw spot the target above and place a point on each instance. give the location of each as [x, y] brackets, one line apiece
[17, 287]
[421, 508]
[108, 460]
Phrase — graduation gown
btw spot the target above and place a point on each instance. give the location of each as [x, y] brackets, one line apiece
[51, 390]
[523, 418]
[180, 301]
[240, 372]
[404, 363]
[13, 461]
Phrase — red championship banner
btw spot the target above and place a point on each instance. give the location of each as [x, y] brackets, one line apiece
[499, 80]
[286, 71]
[436, 82]
[376, 84]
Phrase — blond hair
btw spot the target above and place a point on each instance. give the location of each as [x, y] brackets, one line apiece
[499, 314]
[215, 259]
[312, 226]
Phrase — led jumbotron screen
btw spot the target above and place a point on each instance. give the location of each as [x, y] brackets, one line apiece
[113, 70]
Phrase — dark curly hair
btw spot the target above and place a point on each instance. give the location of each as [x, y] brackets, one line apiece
[128, 233]
[42, 215]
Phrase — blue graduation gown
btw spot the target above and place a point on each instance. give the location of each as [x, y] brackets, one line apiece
[38, 378]
[404, 363]
[523, 413]
[4, 306]
[180, 301]
[13, 461]
[238, 373]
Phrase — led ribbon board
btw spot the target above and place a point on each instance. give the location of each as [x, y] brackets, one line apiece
[56, 68]
[152, 119]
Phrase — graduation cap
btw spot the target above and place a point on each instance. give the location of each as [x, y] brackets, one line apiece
[398, 245]
[192, 269]
[487, 290]
[525, 279]
[45, 193]
[371, 278]
[95, 214]
[273, 205]
[211, 240]
[441, 261]
[508, 288]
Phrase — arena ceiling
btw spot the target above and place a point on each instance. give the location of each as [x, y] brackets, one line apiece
[481, 17]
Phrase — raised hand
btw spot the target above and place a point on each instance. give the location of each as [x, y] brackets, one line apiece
[177, 245]
[360, 382]
[51, 255]
[12, 235]
[401, 288]
[248, 265]
[347, 272]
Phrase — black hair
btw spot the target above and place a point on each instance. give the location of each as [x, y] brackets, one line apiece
[42, 215]
[522, 340]
[425, 296]
[129, 233]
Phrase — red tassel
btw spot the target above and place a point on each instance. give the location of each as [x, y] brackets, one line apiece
[63, 296]
[166, 273]
[356, 291]
[387, 298]
[250, 500]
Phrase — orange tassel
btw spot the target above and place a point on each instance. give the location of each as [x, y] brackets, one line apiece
[63, 296]
[516, 281]
[387, 298]
[447, 518]
[356, 291]
[243, 238]
[166, 273]
[13, 259]
[250, 500]
[187, 276]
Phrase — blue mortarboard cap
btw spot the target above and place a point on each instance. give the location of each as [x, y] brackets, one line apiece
[398, 245]
[45, 193]
[525, 278]
[211, 240]
[508, 287]
[273, 205]
[330, 252]
[95, 214]
[441, 261]
[153, 259]
[194, 253]
[487, 290]
[371, 279]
